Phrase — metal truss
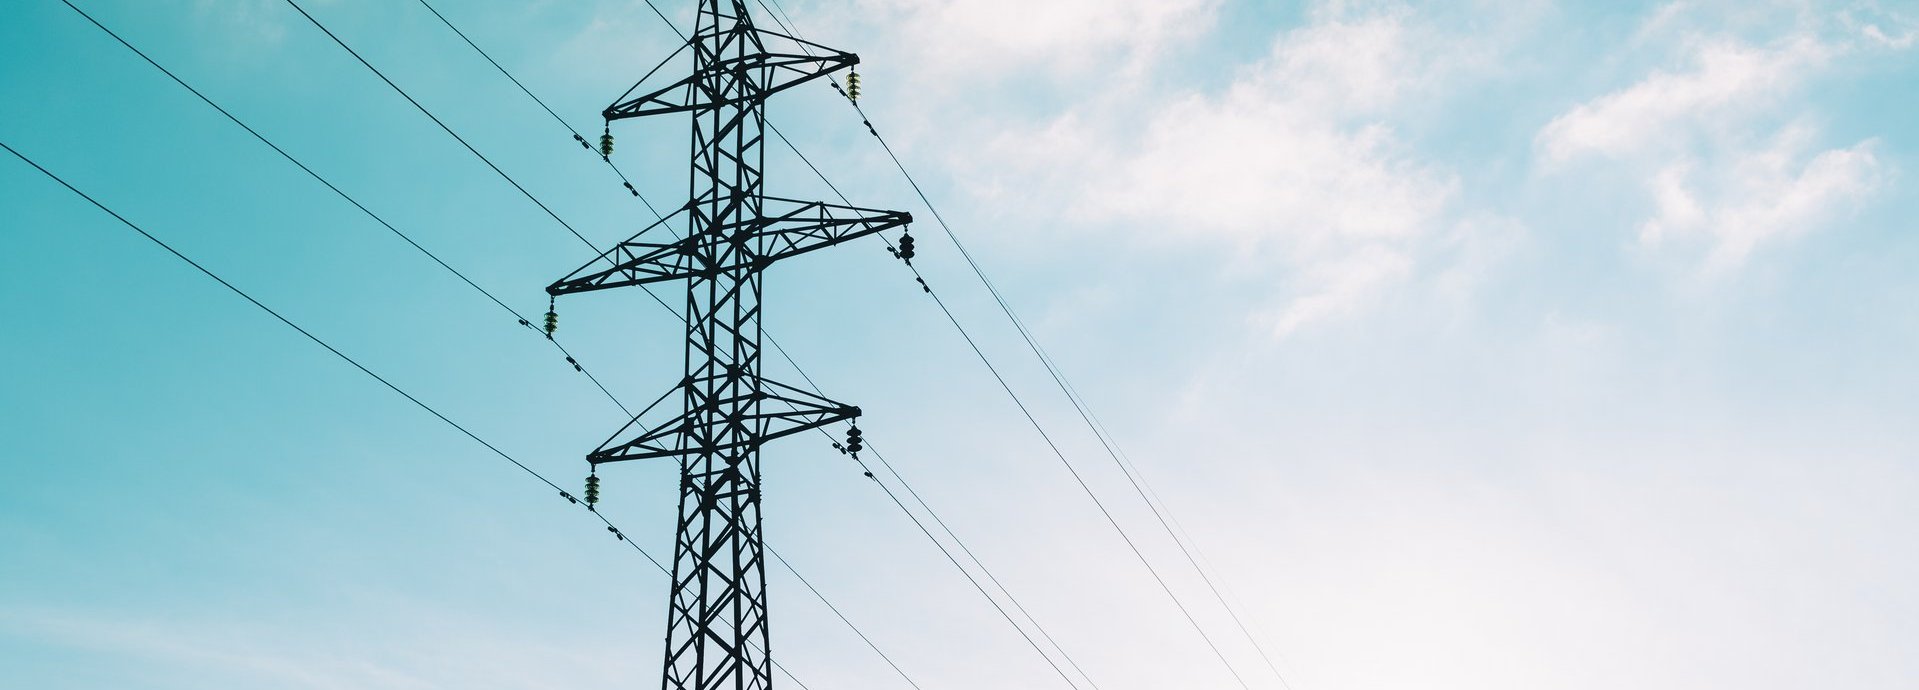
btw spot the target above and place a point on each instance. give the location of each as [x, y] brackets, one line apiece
[785, 228]
[803, 412]
[717, 635]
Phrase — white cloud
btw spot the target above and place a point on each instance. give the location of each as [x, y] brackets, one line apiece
[1760, 196]
[1344, 285]
[1901, 42]
[1292, 150]
[1726, 79]
[1708, 136]
[1294, 164]
[989, 37]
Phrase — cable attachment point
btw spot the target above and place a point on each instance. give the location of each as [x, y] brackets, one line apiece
[592, 488]
[606, 142]
[853, 86]
[853, 442]
[582, 140]
[629, 187]
[923, 286]
[552, 319]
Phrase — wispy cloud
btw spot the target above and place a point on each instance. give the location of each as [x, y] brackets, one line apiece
[985, 39]
[1726, 81]
[1295, 164]
[1760, 196]
[1724, 138]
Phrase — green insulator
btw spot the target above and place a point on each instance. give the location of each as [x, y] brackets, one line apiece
[853, 86]
[552, 322]
[606, 144]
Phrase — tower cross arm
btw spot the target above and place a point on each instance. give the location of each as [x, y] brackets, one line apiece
[772, 72]
[692, 433]
[785, 228]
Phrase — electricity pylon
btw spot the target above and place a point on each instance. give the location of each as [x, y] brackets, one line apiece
[717, 634]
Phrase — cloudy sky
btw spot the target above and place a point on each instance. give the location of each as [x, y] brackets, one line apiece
[1489, 345]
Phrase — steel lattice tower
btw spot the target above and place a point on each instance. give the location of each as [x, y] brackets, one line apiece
[717, 634]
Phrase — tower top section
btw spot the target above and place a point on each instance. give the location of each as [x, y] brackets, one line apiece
[735, 64]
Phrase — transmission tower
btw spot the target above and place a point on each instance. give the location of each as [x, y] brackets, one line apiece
[717, 634]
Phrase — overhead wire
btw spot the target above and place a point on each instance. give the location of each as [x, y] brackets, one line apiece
[836, 611]
[627, 183]
[789, 359]
[443, 264]
[969, 576]
[1130, 471]
[1035, 423]
[1052, 370]
[531, 197]
[449, 130]
[1080, 407]
[521, 318]
[950, 534]
[316, 22]
[624, 179]
[1088, 489]
[1181, 537]
[543, 106]
[523, 467]
[918, 277]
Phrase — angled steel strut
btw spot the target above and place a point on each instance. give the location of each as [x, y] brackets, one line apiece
[717, 634]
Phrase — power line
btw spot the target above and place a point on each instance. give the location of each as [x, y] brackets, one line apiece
[969, 576]
[436, 120]
[1167, 520]
[627, 183]
[1078, 404]
[1124, 536]
[536, 99]
[1034, 421]
[535, 474]
[718, 598]
[1085, 416]
[836, 612]
[990, 577]
[950, 534]
[1133, 476]
[521, 319]
[549, 211]
[789, 359]
[1088, 489]
[450, 268]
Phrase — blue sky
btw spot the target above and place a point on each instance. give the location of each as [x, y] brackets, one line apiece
[1478, 345]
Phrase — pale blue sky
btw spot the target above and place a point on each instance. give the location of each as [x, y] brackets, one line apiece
[1488, 345]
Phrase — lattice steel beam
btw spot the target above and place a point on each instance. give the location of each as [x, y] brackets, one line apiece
[717, 635]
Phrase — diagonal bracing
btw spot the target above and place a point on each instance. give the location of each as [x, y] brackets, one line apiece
[717, 634]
